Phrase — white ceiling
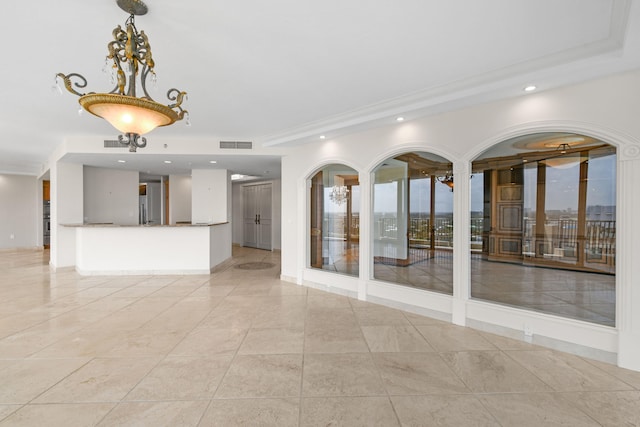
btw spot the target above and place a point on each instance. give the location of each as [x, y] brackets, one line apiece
[283, 72]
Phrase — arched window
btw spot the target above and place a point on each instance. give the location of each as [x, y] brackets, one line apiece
[412, 221]
[335, 225]
[546, 200]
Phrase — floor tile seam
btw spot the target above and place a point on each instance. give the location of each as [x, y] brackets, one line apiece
[190, 294]
[590, 362]
[108, 313]
[61, 379]
[472, 395]
[377, 368]
[566, 401]
[521, 392]
[507, 353]
[107, 414]
[344, 395]
[596, 392]
[115, 405]
[227, 398]
[19, 407]
[487, 409]
[158, 314]
[585, 360]
[33, 325]
[30, 356]
[66, 336]
[421, 351]
[285, 353]
[433, 346]
[189, 331]
[302, 365]
[206, 410]
[455, 374]
[155, 365]
[233, 358]
[257, 396]
[163, 400]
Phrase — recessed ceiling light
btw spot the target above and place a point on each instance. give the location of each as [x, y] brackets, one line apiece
[322, 137]
[213, 161]
[167, 161]
[122, 161]
[400, 119]
[530, 88]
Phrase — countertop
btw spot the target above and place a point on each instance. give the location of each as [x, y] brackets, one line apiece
[107, 225]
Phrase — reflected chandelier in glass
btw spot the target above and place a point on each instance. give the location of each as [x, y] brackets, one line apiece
[339, 194]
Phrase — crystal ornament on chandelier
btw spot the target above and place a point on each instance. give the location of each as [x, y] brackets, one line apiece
[131, 63]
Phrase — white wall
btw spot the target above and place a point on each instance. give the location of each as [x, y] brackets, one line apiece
[110, 196]
[20, 213]
[236, 214]
[179, 198]
[210, 196]
[66, 208]
[605, 108]
[276, 211]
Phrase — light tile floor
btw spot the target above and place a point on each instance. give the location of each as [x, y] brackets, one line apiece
[242, 348]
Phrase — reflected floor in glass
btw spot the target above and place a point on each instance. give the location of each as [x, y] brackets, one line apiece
[431, 270]
[240, 347]
[341, 257]
[574, 294]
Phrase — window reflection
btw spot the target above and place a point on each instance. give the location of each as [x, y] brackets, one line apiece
[335, 225]
[413, 221]
[551, 205]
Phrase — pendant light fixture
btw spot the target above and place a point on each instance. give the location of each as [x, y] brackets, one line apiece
[131, 63]
[447, 180]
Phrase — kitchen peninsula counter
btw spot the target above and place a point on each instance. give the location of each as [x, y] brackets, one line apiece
[110, 224]
[112, 249]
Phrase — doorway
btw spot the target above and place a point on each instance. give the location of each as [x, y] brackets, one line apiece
[257, 216]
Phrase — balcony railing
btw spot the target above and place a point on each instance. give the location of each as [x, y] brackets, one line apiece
[560, 236]
[560, 239]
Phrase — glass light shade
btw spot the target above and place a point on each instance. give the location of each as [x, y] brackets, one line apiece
[128, 114]
[564, 162]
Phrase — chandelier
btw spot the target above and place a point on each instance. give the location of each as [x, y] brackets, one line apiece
[339, 194]
[562, 160]
[132, 64]
[447, 180]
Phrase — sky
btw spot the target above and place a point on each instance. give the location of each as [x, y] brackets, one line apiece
[562, 190]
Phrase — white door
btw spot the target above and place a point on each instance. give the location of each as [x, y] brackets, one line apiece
[257, 216]
[264, 216]
[250, 221]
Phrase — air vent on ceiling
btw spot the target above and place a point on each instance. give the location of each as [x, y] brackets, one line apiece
[242, 145]
[112, 143]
